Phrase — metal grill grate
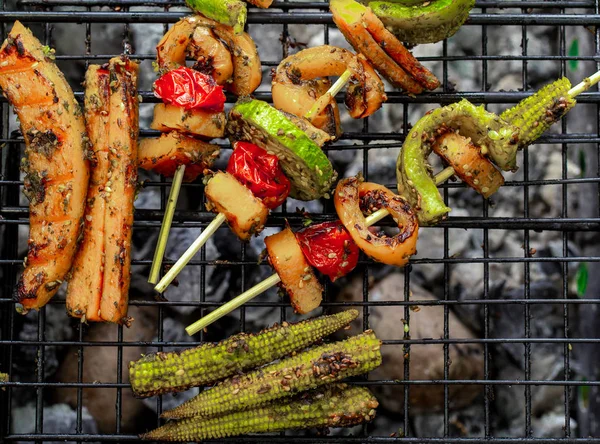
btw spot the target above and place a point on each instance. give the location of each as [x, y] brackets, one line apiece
[561, 15]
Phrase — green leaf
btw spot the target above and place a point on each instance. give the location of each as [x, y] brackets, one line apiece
[581, 277]
[574, 52]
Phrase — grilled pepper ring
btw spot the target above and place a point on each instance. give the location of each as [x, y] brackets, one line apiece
[351, 194]
[486, 130]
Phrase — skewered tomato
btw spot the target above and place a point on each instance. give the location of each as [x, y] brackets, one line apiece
[329, 248]
[260, 172]
[189, 89]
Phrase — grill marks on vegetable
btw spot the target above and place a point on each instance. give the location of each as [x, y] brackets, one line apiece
[56, 171]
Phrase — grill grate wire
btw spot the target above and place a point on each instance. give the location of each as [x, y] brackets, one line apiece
[13, 215]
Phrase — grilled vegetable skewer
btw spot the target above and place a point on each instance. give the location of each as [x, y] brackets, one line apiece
[496, 137]
[55, 165]
[159, 373]
[254, 182]
[289, 256]
[305, 371]
[336, 405]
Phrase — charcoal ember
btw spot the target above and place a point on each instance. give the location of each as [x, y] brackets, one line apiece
[58, 419]
[467, 422]
[426, 361]
[173, 330]
[58, 327]
[188, 286]
[100, 365]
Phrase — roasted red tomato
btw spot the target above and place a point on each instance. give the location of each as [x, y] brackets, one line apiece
[329, 248]
[260, 172]
[189, 89]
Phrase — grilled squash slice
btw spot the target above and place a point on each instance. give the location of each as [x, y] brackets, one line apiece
[99, 286]
[85, 285]
[120, 189]
[55, 165]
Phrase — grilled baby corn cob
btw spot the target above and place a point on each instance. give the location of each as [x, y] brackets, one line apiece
[305, 371]
[535, 114]
[337, 405]
[173, 372]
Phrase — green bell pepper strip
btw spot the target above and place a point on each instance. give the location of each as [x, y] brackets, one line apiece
[486, 130]
[422, 22]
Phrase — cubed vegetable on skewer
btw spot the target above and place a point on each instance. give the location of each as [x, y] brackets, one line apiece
[199, 122]
[297, 276]
[245, 213]
[165, 153]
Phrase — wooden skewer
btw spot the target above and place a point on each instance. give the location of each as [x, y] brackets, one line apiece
[165, 228]
[274, 279]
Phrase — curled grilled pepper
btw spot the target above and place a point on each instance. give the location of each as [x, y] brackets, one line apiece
[329, 248]
[189, 89]
[352, 197]
[260, 172]
[422, 22]
[486, 130]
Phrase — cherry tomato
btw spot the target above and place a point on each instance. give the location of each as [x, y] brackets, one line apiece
[260, 172]
[329, 248]
[189, 89]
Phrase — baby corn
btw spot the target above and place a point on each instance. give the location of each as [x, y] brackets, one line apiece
[305, 371]
[535, 114]
[336, 405]
[173, 372]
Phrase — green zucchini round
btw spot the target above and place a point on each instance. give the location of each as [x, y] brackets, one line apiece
[294, 141]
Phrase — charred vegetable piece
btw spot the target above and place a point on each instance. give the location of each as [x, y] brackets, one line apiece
[247, 71]
[85, 284]
[352, 197]
[199, 122]
[260, 172]
[159, 373]
[366, 33]
[300, 156]
[485, 129]
[211, 55]
[297, 277]
[535, 114]
[165, 153]
[329, 248]
[305, 371]
[228, 12]
[469, 164]
[55, 165]
[246, 214]
[364, 95]
[422, 22]
[190, 89]
[336, 405]
[120, 189]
